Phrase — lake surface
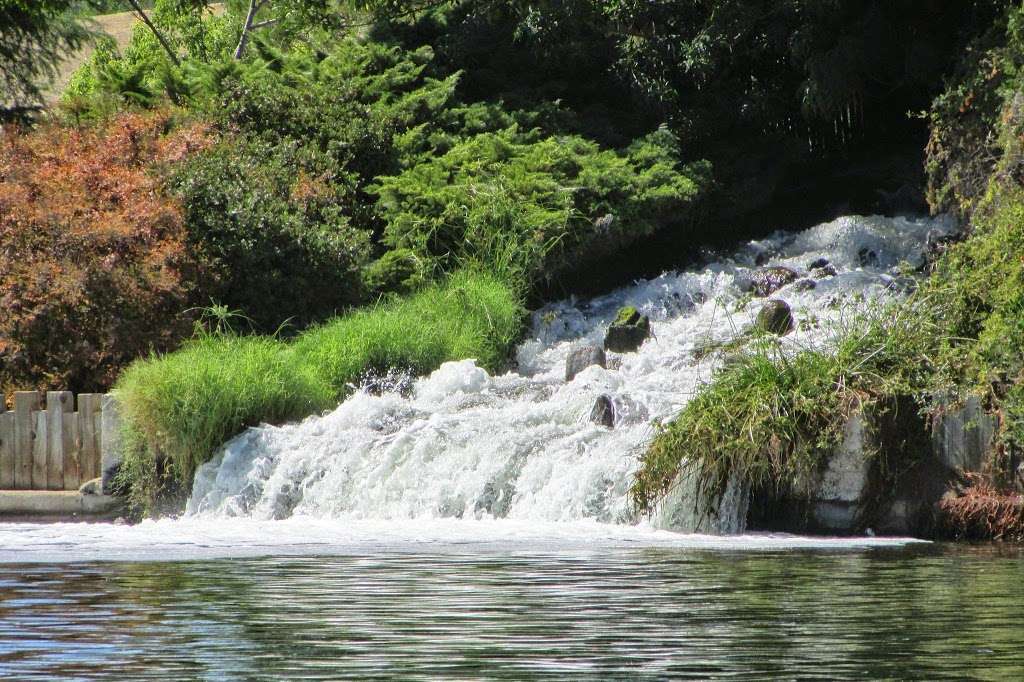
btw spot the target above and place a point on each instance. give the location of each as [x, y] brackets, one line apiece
[520, 608]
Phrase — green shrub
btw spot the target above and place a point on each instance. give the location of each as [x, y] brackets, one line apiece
[184, 404]
[178, 408]
[275, 233]
[964, 140]
[469, 316]
[522, 207]
[400, 271]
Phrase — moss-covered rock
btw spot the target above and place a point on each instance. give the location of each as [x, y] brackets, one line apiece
[775, 317]
[628, 331]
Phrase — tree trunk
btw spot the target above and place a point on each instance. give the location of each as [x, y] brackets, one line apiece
[250, 17]
[159, 36]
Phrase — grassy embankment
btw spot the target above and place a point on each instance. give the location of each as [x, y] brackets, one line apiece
[179, 407]
[773, 420]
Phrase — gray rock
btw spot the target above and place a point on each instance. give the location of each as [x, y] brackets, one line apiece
[775, 317]
[804, 284]
[843, 482]
[93, 487]
[825, 271]
[767, 281]
[628, 332]
[867, 258]
[581, 358]
[603, 412]
[818, 263]
[962, 434]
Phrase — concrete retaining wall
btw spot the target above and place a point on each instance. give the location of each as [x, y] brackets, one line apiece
[855, 495]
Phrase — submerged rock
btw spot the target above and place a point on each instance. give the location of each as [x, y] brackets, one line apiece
[628, 332]
[581, 358]
[867, 258]
[826, 270]
[819, 263]
[775, 317]
[603, 412]
[767, 281]
[805, 284]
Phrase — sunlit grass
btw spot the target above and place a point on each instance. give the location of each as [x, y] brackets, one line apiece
[178, 408]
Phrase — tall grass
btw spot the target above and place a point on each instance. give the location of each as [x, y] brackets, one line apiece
[178, 408]
[772, 417]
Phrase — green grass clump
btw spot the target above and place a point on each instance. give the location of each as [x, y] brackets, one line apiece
[178, 408]
[772, 418]
[471, 316]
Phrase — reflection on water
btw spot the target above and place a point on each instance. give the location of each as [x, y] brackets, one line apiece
[923, 612]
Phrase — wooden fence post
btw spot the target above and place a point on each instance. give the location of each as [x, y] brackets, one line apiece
[6, 448]
[88, 435]
[110, 441]
[60, 442]
[40, 437]
[25, 402]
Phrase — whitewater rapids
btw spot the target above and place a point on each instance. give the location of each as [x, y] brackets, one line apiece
[464, 444]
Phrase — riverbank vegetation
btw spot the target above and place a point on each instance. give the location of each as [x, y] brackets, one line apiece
[773, 420]
[338, 172]
[179, 407]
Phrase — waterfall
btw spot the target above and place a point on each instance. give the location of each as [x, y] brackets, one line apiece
[465, 444]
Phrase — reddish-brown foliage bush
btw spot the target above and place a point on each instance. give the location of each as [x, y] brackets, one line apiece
[94, 269]
[982, 512]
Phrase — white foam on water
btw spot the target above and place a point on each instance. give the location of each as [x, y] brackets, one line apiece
[198, 538]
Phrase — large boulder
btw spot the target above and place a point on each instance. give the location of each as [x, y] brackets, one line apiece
[581, 358]
[628, 332]
[775, 317]
[767, 281]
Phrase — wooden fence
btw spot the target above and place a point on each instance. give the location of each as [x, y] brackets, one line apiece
[51, 446]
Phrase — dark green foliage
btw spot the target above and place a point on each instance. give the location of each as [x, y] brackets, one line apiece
[523, 207]
[819, 68]
[398, 271]
[964, 140]
[35, 35]
[275, 233]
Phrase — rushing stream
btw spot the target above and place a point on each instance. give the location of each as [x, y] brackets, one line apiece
[469, 445]
[479, 526]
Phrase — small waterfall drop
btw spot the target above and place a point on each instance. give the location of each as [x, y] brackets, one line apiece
[469, 445]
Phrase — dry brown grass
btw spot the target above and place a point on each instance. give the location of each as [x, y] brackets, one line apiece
[119, 27]
[982, 512]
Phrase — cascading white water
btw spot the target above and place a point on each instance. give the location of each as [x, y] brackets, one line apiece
[521, 446]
